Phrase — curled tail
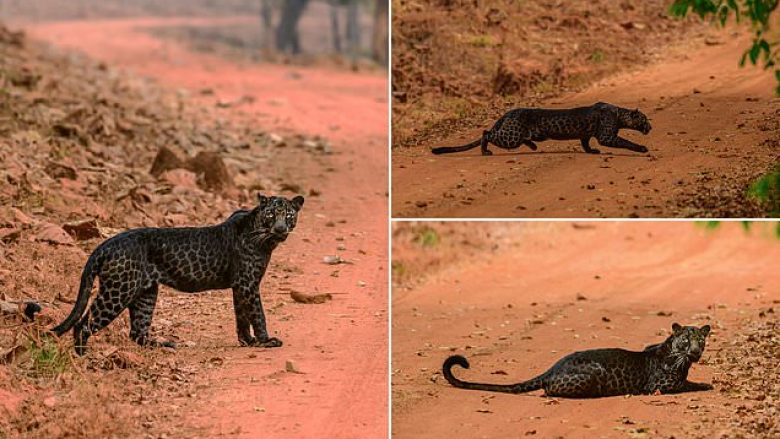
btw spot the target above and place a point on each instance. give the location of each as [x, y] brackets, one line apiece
[449, 149]
[87, 279]
[525, 386]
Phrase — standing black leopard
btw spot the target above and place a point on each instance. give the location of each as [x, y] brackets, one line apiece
[595, 373]
[233, 254]
[524, 126]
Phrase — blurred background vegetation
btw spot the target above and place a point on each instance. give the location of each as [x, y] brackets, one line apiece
[356, 30]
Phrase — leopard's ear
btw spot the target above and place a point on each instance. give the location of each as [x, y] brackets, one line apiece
[676, 328]
[262, 200]
[297, 202]
[705, 330]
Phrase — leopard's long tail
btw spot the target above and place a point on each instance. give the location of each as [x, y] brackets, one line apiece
[87, 279]
[449, 149]
[525, 386]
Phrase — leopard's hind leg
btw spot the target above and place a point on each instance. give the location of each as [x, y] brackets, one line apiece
[508, 138]
[141, 313]
[112, 298]
[484, 143]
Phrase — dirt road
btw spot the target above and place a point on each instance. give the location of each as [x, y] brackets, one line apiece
[548, 289]
[710, 133]
[338, 347]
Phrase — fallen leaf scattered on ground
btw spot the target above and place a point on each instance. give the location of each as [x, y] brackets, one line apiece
[310, 298]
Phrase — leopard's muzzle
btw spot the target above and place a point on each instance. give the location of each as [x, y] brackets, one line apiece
[280, 230]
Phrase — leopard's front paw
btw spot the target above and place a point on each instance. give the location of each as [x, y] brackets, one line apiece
[593, 151]
[271, 342]
[487, 152]
[247, 341]
[641, 148]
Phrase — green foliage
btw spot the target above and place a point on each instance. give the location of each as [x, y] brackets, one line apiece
[597, 56]
[709, 225]
[767, 189]
[47, 358]
[757, 11]
[399, 270]
[747, 226]
[427, 237]
[482, 41]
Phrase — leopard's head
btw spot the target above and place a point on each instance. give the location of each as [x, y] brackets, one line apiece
[636, 120]
[686, 343]
[275, 217]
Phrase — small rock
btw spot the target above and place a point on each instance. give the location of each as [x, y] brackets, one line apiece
[180, 178]
[165, 160]
[82, 230]
[290, 367]
[276, 140]
[20, 217]
[50, 402]
[53, 234]
[59, 170]
[400, 96]
[334, 260]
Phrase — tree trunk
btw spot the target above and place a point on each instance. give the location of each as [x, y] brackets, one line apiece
[379, 49]
[287, 39]
[266, 17]
[353, 29]
[334, 25]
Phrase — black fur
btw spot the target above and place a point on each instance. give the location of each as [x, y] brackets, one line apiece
[233, 254]
[524, 126]
[610, 372]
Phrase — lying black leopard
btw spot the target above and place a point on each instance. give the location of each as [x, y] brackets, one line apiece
[524, 126]
[233, 254]
[610, 372]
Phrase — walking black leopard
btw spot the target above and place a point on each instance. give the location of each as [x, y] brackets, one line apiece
[233, 254]
[524, 126]
[595, 373]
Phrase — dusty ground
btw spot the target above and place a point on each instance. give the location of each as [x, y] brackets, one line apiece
[515, 297]
[715, 125]
[79, 139]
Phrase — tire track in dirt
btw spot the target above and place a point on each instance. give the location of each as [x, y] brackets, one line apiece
[339, 347]
[709, 123]
[604, 285]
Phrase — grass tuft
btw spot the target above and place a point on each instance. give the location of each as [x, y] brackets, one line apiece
[48, 358]
[427, 237]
